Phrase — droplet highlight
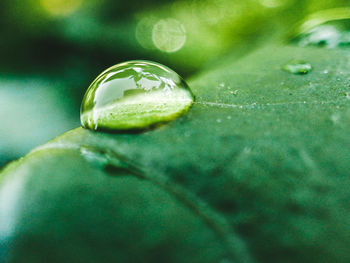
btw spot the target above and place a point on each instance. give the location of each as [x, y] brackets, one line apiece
[299, 67]
[134, 95]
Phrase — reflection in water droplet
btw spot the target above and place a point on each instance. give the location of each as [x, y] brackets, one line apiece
[169, 35]
[297, 67]
[134, 95]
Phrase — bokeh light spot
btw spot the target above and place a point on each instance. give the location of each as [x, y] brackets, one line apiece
[273, 3]
[60, 7]
[169, 35]
[143, 32]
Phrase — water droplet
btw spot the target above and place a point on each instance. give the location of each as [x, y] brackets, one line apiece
[229, 117]
[326, 71]
[297, 67]
[134, 95]
[218, 120]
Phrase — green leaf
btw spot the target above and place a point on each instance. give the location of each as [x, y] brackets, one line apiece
[256, 171]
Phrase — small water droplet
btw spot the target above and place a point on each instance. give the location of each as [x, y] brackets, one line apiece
[326, 71]
[297, 67]
[229, 117]
[134, 95]
[221, 85]
[218, 120]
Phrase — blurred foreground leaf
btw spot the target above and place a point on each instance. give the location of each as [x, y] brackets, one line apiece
[256, 171]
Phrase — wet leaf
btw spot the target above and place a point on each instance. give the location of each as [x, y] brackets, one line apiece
[259, 176]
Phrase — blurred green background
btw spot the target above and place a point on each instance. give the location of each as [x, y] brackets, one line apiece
[51, 50]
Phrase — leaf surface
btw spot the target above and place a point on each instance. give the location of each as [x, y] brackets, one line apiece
[257, 170]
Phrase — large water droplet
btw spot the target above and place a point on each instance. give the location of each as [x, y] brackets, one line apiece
[134, 95]
[297, 67]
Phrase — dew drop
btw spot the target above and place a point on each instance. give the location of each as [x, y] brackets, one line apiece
[297, 67]
[134, 95]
